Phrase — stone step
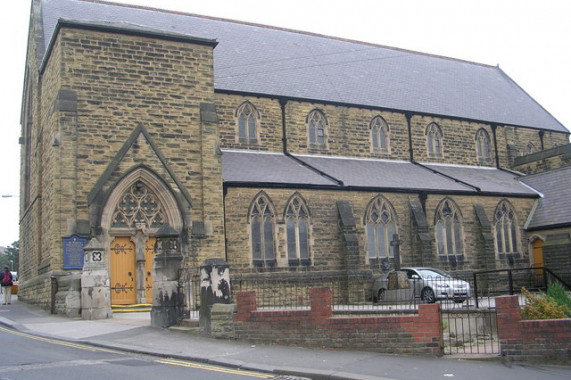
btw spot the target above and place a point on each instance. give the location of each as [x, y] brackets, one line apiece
[190, 323]
[189, 326]
[135, 308]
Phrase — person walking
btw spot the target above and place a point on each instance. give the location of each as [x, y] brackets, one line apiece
[6, 282]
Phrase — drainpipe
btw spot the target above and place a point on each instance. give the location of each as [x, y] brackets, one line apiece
[408, 116]
[283, 103]
[541, 134]
[494, 127]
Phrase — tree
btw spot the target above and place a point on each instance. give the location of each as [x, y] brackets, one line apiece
[10, 258]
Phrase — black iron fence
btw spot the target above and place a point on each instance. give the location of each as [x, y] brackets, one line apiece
[292, 291]
[364, 293]
[493, 283]
[467, 299]
[357, 294]
[189, 285]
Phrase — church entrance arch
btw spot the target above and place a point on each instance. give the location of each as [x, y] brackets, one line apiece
[137, 207]
[537, 253]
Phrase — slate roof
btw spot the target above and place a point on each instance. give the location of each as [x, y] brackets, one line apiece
[270, 61]
[553, 209]
[247, 167]
[487, 179]
[264, 169]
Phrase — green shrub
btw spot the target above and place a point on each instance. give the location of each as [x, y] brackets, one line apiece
[542, 306]
[556, 291]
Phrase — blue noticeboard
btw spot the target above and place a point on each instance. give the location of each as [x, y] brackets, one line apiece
[73, 252]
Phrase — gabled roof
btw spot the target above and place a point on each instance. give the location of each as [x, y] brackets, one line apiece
[268, 61]
[245, 168]
[553, 209]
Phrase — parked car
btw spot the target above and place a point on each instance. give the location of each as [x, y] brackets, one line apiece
[428, 284]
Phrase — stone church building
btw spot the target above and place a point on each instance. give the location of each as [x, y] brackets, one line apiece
[284, 153]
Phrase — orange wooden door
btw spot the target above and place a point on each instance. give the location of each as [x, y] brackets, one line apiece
[537, 253]
[122, 265]
[149, 258]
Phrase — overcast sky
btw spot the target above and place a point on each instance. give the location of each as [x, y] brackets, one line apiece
[530, 40]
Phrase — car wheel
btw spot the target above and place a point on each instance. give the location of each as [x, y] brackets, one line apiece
[381, 295]
[427, 295]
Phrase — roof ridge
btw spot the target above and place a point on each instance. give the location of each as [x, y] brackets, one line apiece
[547, 172]
[284, 29]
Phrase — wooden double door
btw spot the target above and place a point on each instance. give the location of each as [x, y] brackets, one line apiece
[131, 279]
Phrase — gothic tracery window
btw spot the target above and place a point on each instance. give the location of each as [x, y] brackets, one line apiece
[448, 222]
[297, 230]
[248, 120]
[138, 207]
[434, 140]
[379, 134]
[262, 219]
[505, 229]
[483, 144]
[316, 125]
[381, 225]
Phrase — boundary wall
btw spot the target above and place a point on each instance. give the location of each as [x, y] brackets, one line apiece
[419, 334]
[537, 341]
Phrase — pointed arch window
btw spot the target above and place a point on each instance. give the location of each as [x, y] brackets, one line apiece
[316, 126]
[448, 224]
[530, 148]
[297, 231]
[262, 221]
[379, 134]
[434, 140]
[483, 145]
[505, 228]
[380, 222]
[248, 119]
[138, 208]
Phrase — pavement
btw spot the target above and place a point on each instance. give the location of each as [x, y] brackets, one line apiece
[132, 332]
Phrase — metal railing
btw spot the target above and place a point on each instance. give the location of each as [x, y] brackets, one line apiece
[492, 283]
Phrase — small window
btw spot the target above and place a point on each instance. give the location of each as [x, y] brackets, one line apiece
[380, 222]
[379, 134]
[483, 145]
[247, 118]
[530, 148]
[262, 220]
[448, 222]
[434, 140]
[297, 230]
[505, 228]
[316, 126]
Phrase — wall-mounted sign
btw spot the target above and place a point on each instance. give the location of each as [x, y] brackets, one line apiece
[73, 252]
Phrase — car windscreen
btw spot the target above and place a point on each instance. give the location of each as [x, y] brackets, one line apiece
[431, 273]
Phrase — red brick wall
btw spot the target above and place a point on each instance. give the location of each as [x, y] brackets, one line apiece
[545, 341]
[318, 327]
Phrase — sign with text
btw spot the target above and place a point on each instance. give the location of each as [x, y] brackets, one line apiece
[73, 252]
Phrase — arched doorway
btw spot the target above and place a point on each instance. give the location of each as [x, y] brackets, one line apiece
[537, 253]
[137, 207]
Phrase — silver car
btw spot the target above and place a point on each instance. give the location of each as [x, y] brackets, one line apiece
[428, 284]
